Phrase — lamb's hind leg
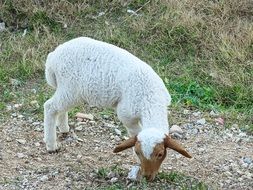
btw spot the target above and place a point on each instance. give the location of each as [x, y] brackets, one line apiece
[55, 112]
[62, 122]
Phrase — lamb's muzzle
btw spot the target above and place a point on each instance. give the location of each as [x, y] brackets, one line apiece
[103, 75]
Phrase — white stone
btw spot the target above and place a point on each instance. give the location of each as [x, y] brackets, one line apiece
[37, 144]
[2, 26]
[114, 180]
[133, 174]
[196, 113]
[118, 132]
[79, 128]
[201, 121]
[44, 178]
[176, 129]
[20, 155]
[85, 116]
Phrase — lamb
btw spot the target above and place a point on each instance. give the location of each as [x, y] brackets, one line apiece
[103, 75]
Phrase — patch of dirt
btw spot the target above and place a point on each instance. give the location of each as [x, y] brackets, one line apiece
[222, 157]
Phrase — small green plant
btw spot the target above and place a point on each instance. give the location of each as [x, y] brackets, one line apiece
[102, 172]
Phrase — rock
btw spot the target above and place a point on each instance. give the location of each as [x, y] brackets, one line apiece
[112, 137]
[2, 26]
[20, 155]
[14, 114]
[177, 135]
[133, 174]
[201, 121]
[132, 12]
[44, 178]
[247, 160]
[15, 82]
[20, 116]
[37, 144]
[34, 103]
[85, 116]
[114, 180]
[38, 128]
[36, 123]
[219, 121]
[117, 138]
[242, 134]
[8, 108]
[17, 106]
[79, 128]
[176, 129]
[186, 112]
[118, 132]
[213, 113]
[109, 125]
[196, 114]
[101, 14]
[21, 141]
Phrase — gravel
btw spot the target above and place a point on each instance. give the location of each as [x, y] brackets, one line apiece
[222, 157]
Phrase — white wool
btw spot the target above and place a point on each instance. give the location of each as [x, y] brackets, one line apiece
[103, 75]
[148, 139]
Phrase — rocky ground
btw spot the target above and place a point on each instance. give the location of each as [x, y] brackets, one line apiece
[222, 156]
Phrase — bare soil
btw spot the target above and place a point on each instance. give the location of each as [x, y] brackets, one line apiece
[222, 157]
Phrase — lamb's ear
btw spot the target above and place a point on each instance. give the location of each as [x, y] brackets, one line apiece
[173, 144]
[126, 144]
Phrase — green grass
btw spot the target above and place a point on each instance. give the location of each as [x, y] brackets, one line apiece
[164, 180]
[203, 51]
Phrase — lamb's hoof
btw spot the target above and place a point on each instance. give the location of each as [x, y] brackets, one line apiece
[54, 149]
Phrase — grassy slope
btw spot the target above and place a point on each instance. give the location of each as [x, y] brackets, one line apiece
[202, 49]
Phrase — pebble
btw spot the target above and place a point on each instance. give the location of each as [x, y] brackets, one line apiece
[117, 138]
[79, 128]
[196, 114]
[201, 121]
[17, 106]
[185, 112]
[20, 155]
[8, 107]
[247, 160]
[176, 129]
[114, 180]
[213, 113]
[20, 116]
[2, 26]
[177, 135]
[133, 174]
[37, 144]
[35, 103]
[15, 82]
[21, 141]
[85, 116]
[36, 123]
[44, 178]
[118, 132]
[112, 137]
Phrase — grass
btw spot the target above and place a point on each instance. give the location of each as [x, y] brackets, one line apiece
[203, 51]
[164, 180]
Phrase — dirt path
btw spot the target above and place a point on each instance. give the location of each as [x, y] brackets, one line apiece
[222, 157]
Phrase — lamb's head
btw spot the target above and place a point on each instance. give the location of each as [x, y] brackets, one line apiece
[150, 147]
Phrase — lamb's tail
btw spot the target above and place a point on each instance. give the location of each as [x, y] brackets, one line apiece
[50, 74]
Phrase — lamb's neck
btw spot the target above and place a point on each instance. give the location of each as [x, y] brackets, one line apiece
[156, 118]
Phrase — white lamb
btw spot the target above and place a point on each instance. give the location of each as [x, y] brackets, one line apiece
[103, 75]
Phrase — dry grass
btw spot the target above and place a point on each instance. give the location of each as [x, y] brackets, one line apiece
[202, 49]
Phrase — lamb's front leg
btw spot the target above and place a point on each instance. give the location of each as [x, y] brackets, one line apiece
[50, 116]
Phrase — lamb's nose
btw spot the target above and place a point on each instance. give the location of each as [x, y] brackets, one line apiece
[149, 177]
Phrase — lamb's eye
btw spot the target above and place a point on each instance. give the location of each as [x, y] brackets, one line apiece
[160, 155]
